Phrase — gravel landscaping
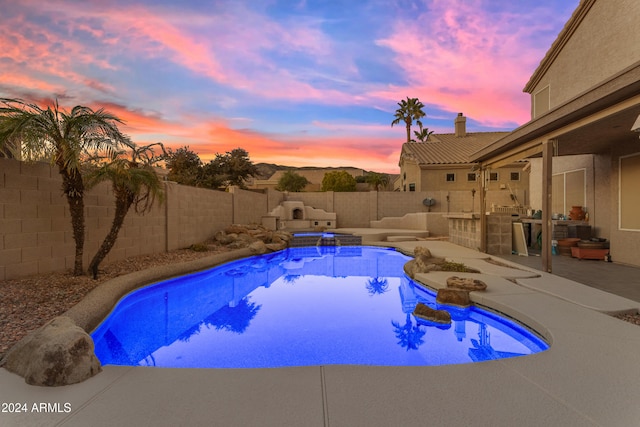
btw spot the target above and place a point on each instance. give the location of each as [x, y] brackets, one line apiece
[29, 303]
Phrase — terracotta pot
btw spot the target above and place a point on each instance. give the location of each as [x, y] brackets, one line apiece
[586, 244]
[576, 214]
[572, 241]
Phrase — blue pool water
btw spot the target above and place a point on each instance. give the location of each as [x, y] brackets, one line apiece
[299, 307]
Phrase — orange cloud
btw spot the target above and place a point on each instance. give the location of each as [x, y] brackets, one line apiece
[208, 137]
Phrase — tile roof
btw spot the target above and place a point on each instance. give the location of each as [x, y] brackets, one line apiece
[447, 148]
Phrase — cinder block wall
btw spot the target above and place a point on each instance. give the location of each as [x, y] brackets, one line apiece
[352, 209]
[195, 214]
[466, 232]
[499, 232]
[248, 206]
[35, 225]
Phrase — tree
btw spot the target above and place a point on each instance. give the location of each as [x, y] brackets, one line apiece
[410, 110]
[65, 139]
[423, 134]
[234, 167]
[185, 167]
[377, 180]
[291, 181]
[134, 182]
[338, 181]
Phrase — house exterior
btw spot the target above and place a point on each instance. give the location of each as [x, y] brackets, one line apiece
[443, 164]
[581, 139]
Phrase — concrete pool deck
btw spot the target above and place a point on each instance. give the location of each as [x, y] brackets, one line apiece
[589, 377]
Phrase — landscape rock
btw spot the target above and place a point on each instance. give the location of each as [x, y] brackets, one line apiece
[425, 312]
[422, 264]
[421, 250]
[237, 229]
[456, 297]
[258, 247]
[274, 247]
[59, 353]
[238, 236]
[466, 283]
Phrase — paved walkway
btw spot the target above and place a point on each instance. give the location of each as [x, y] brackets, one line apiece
[588, 377]
[623, 280]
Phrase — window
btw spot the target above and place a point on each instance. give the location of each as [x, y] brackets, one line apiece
[493, 176]
[515, 176]
[451, 177]
[412, 187]
[629, 195]
[568, 189]
[541, 102]
[471, 176]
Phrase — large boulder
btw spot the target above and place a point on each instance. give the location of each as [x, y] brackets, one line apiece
[466, 283]
[422, 263]
[59, 353]
[456, 297]
[258, 247]
[274, 247]
[421, 250]
[225, 238]
[236, 229]
[425, 312]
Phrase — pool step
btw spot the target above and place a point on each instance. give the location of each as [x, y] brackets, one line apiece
[319, 240]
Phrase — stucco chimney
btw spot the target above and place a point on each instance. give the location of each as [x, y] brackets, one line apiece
[461, 126]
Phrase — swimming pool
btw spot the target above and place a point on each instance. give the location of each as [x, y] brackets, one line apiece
[300, 307]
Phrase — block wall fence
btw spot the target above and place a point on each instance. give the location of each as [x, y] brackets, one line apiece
[35, 225]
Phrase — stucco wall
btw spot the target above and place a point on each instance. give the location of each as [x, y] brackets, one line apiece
[606, 42]
[598, 211]
[625, 245]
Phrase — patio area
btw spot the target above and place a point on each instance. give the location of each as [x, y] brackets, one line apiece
[587, 378]
[619, 279]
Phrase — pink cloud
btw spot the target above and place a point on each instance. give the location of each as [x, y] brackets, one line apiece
[483, 56]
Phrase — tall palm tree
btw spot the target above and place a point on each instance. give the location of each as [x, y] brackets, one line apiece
[410, 110]
[65, 139]
[134, 182]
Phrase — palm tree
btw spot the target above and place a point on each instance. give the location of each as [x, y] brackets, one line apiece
[377, 180]
[410, 110]
[377, 285]
[423, 134]
[65, 139]
[134, 182]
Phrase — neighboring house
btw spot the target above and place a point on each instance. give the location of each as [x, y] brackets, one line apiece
[585, 102]
[443, 164]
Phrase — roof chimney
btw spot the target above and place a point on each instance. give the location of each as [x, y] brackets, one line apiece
[460, 126]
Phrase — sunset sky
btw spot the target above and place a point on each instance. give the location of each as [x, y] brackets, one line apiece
[298, 83]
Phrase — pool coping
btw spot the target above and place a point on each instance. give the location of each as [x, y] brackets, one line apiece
[587, 377]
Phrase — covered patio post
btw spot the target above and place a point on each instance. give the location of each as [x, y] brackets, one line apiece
[547, 193]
